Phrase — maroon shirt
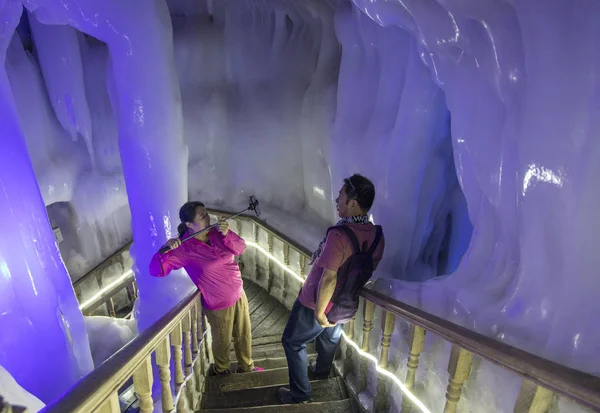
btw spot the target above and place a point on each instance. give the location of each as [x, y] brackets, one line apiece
[336, 250]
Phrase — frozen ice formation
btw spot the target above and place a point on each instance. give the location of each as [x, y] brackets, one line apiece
[40, 321]
[152, 150]
[520, 81]
[57, 49]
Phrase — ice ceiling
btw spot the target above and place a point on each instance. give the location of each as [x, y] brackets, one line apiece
[472, 117]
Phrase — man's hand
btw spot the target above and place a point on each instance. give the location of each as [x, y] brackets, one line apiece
[223, 227]
[323, 321]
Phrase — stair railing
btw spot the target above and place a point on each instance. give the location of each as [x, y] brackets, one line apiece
[181, 330]
[543, 381]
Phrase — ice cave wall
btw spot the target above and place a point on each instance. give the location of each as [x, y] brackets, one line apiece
[521, 83]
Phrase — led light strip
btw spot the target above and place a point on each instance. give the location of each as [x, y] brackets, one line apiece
[284, 267]
[99, 294]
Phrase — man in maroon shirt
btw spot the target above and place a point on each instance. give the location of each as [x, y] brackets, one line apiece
[308, 320]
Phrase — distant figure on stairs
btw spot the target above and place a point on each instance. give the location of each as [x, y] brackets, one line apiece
[342, 264]
[209, 260]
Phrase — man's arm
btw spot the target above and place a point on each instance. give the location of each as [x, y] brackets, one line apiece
[324, 294]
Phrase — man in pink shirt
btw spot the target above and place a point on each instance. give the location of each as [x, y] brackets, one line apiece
[208, 258]
[308, 319]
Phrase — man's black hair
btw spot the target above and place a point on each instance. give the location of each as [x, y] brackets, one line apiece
[361, 189]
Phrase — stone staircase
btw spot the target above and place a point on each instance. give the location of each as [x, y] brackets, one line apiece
[257, 392]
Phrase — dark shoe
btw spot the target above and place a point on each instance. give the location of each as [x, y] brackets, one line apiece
[241, 370]
[285, 397]
[215, 372]
[312, 366]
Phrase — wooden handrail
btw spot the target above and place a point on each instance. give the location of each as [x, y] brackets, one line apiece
[106, 379]
[578, 385]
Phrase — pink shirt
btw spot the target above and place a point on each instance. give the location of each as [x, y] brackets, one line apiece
[336, 250]
[211, 267]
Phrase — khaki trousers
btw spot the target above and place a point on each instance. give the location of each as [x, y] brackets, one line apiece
[232, 322]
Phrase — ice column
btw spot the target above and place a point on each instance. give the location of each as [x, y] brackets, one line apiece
[43, 341]
[148, 110]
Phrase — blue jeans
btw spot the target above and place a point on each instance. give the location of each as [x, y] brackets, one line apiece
[302, 327]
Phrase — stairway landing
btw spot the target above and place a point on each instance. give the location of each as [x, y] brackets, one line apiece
[257, 392]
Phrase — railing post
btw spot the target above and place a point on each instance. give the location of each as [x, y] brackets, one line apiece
[187, 344]
[163, 359]
[459, 369]
[383, 383]
[111, 308]
[533, 399]
[110, 405]
[78, 292]
[417, 344]
[142, 385]
[386, 338]
[369, 309]
[302, 266]
[194, 320]
[286, 253]
[255, 228]
[367, 325]
[177, 355]
[347, 366]
[270, 275]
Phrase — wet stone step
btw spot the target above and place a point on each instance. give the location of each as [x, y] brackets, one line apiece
[339, 406]
[322, 391]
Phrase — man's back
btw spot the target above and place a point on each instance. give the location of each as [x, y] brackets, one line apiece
[337, 249]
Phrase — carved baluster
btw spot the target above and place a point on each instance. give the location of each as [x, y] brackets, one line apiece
[302, 266]
[194, 320]
[270, 276]
[131, 292]
[100, 283]
[256, 253]
[386, 338]
[187, 345]
[110, 405]
[78, 292]
[417, 344]
[533, 399]
[459, 369]
[111, 308]
[369, 309]
[367, 325]
[348, 365]
[163, 359]
[383, 382]
[142, 385]
[135, 290]
[286, 253]
[177, 355]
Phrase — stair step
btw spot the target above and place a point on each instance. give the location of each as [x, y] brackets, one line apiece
[339, 406]
[322, 391]
[273, 350]
[241, 381]
[267, 364]
[272, 339]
